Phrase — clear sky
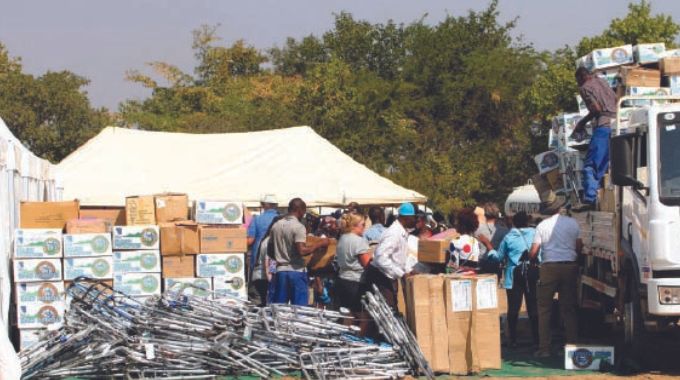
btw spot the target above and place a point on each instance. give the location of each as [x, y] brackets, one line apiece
[102, 39]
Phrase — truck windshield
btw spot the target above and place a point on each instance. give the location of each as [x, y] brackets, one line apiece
[669, 158]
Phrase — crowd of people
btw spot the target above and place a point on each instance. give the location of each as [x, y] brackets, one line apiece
[377, 249]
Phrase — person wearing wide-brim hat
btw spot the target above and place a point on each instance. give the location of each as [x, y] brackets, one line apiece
[558, 239]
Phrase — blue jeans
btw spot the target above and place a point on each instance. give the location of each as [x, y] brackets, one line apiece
[291, 287]
[596, 163]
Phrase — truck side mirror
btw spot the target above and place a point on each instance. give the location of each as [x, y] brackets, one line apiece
[621, 160]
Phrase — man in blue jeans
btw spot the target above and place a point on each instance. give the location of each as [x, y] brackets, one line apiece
[289, 239]
[601, 102]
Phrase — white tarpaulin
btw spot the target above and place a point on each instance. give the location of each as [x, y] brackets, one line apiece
[291, 162]
[23, 177]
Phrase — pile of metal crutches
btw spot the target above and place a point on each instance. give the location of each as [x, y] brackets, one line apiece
[107, 334]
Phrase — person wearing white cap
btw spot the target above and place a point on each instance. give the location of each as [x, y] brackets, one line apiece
[390, 259]
[257, 288]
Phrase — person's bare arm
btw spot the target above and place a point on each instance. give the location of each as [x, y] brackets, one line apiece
[365, 259]
[534, 251]
[485, 240]
[307, 249]
[251, 240]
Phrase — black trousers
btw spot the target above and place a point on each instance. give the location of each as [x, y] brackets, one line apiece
[523, 287]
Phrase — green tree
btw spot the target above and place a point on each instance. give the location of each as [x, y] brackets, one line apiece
[50, 114]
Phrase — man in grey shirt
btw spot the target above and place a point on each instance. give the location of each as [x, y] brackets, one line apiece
[601, 102]
[491, 232]
[288, 238]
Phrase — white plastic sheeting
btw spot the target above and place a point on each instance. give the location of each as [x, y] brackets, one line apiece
[291, 162]
[23, 176]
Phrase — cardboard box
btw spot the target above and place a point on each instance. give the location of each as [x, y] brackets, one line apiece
[37, 243]
[47, 214]
[458, 300]
[218, 212]
[93, 267]
[600, 59]
[586, 357]
[88, 226]
[178, 266]
[115, 216]
[147, 261]
[28, 337]
[649, 53]
[78, 245]
[34, 315]
[175, 284]
[673, 81]
[486, 328]
[671, 53]
[138, 284]
[140, 210]
[222, 239]
[639, 77]
[433, 251]
[179, 238]
[547, 161]
[171, 207]
[39, 292]
[232, 285]
[321, 258]
[37, 270]
[135, 237]
[670, 66]
[647, 91]
[219, 264]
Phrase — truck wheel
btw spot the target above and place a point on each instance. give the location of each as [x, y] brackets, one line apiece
[633, 323]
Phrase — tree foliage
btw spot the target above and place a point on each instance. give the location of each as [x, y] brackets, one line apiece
[50, 113]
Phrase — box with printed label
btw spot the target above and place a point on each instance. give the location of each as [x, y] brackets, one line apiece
[94, 267]
[37, 243]
[37, 270]
[199, 287]
[36, 315]
[232, 285]
[647, 91]
[47, 214]
[649, 53]
[87, 245]
[673, 81]
[39, 292]
[219, 264]
[146, 261]
[171, 207]
[29, 337]
[605, 58]
[585, 357]
[138, 284]
[547, 161]
[218, 212]
[135, 237]
[612, 77]
[222, 239]
[140, 210]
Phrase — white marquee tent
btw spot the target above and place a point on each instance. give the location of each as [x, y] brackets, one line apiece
[291, 162]
[23, 177]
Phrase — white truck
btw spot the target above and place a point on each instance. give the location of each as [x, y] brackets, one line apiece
[631, 271]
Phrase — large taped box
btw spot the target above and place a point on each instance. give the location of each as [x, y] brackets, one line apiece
[670, 66]
[219, 264]
[145, 261]
[178, 266]
[37, 270]
[433, 251]
[171, 207]
[321, 258]
[79, 245]
[135, 237]
[37, 243]
[223, 239]
[47, 214]
[94, 267]
[140, 210]
[639, 77]
[115, 216]
[179, 238]
[218, 212]
[88, 226]
[138, 284]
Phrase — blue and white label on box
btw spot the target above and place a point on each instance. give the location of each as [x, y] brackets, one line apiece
[144, 261]
[98, 244]
[232, 285]
[218, 212]
[135, 237]
[37, 243]
[581, 357]
[219, 264]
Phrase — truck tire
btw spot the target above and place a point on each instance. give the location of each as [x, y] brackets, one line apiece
[633, 323]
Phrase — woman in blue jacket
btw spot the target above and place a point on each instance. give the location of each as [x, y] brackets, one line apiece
[521, 276]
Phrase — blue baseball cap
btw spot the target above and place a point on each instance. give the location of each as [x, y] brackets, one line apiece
[406, 209]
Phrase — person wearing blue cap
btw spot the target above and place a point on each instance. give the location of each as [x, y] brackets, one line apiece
[389, 261]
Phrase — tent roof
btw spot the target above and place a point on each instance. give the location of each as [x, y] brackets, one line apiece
[291, 162]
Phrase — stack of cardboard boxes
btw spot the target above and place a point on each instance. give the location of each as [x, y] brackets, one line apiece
[456, 321]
